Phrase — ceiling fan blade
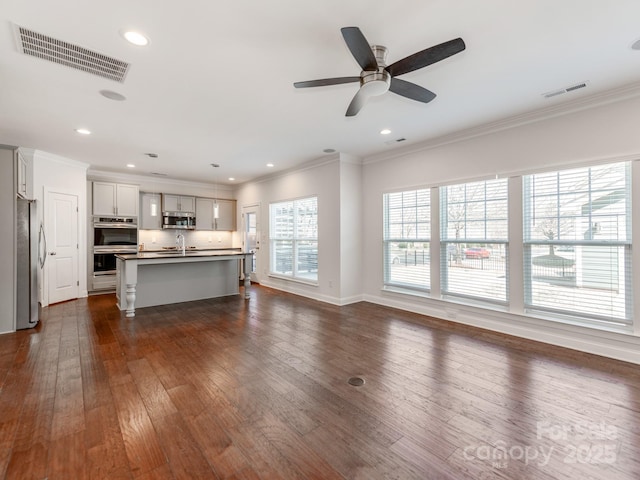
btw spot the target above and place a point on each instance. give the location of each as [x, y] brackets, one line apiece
[426, 57]
[326, 81]
[360, 48]
[411, 90]
[357, 103]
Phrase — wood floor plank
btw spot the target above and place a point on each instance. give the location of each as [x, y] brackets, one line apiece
[140, 438]
[68, 457]
[184, 454]
[234, 389]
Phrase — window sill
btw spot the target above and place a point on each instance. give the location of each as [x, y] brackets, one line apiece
[579, 322]
[528, 314]
[313, 283]
[407, 291]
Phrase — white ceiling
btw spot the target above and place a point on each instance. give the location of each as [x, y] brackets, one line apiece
[215, 83]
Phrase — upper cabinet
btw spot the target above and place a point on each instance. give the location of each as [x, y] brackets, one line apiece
[115, 199]
[24, 177]
[150, 212]
[178, 203]
[204, 214]
[226, 220]
[206, 218]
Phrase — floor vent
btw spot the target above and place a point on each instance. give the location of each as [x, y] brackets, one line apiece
[554, 93]
[70, 55]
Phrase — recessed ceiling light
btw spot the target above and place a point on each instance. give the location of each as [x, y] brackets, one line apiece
[111, 95]
[83, 131]
[385, 131]
[636, 45]
[135, 38]
[270, 165]
[130, 165]
[329, 150]
[231, 179]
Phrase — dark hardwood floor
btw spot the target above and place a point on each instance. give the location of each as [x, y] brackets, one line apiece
[258, 389]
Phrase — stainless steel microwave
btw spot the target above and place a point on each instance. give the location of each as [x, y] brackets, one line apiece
[179, 220]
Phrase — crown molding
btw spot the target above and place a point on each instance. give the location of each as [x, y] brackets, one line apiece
[51, 157]
[616, 95]
[105, 175]
[311, 164]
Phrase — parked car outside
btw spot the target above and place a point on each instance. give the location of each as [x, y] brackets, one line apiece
[476, 252]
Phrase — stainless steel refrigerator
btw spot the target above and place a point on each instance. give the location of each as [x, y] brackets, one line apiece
[27, 248]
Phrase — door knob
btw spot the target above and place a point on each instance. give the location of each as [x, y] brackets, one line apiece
[52, 253]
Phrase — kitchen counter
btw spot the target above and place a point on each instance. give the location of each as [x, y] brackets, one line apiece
[177, 254]
[147, 279]
[189, 249]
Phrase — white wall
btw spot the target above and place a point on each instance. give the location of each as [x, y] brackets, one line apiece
[57, 174]
[323, 181]
[351, 237]
[589, 135]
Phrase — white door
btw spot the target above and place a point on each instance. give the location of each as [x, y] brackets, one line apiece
[62, 248]
[251, 236]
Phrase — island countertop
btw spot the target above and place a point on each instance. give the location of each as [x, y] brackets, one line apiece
[178, 254]
[160, 278]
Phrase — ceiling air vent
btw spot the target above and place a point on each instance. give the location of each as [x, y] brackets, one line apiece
[577, 86]
[70, 55]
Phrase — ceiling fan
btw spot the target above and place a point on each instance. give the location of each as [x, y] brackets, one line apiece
[377, 77]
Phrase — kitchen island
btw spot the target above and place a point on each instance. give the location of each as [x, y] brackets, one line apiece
[147, 279]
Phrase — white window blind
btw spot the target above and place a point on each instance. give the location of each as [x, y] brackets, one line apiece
[577, 233]
[474, 240]
[407, 232]
[294, 238]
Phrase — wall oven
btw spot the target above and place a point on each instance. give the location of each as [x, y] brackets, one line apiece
[111, 236]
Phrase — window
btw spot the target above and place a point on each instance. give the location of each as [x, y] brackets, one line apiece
[407, 232]
[474, 240]
[294, 238]
[577, 235]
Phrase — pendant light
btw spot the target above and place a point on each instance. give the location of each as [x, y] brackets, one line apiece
[216, 210]
[154, 202]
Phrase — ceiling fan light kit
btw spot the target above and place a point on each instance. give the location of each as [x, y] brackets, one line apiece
[376, 78]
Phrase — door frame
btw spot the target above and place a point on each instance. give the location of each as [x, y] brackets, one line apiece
[253, 207]
[45, 218]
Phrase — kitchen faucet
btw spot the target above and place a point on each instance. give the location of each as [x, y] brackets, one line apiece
[180, 243]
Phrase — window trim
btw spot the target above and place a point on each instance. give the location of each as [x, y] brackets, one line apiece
[294, 239]
[573, 316]
[387, 284]
[444, 241]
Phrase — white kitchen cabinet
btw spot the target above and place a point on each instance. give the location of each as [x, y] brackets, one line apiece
[24, 177]
[226, 220]
[115, 199]
[150, 211]
[204, 214]
[205, 219]
[178, 203]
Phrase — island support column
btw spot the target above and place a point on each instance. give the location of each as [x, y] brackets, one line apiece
[248, 258]
[130, 280]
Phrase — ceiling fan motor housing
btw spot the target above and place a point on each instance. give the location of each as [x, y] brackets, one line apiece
[378, 81]
[375, 83]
